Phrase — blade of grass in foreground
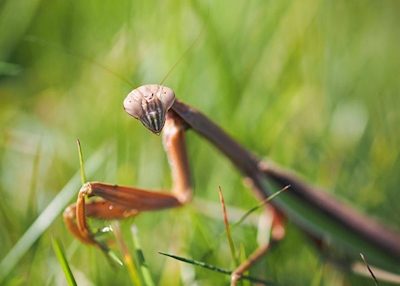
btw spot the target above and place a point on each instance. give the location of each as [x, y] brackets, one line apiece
[139, 257]
[213, 268]
[369, 269]
[52, 211]
[227, 228]
[63, 261]
[83, 176]
[261, 204]
[129, 263]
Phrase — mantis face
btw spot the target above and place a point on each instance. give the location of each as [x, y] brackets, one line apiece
[149, 104]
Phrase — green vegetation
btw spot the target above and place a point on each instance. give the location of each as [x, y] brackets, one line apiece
[313, 85]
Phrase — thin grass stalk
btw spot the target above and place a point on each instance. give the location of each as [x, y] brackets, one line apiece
[60, 253]
[227, 228]
[127, 257]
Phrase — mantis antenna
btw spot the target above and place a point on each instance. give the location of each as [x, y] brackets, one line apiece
[147, 103]
[76, 54]
[189, 49]
[80, 55]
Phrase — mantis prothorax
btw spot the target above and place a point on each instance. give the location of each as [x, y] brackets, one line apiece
[156, 107]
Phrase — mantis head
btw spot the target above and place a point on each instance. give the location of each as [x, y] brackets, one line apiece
[149, 104]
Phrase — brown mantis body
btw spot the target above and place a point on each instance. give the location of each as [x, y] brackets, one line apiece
[153, 105]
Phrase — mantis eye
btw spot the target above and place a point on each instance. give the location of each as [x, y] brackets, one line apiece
[133, 104]
[149, 104]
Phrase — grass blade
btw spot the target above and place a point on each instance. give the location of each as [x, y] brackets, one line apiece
[260, 205]
[139, 258]
[51, 212]
[369, 269]
[213, 268]
[129, 263]
[228, 230]
[58, 249]
[83, 177]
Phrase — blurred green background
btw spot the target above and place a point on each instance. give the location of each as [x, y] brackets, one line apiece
[312, 85]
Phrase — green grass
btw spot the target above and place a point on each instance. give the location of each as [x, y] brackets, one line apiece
[312, 85]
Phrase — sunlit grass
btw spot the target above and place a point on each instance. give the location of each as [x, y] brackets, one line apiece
[312, 85]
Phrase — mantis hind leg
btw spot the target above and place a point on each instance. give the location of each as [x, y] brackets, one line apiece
[275, 223]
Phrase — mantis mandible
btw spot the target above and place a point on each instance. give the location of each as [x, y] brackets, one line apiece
[158, 110]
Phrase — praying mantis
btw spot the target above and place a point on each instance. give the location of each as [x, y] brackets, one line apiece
[287, 59]
[309, 207]
[160, 112]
